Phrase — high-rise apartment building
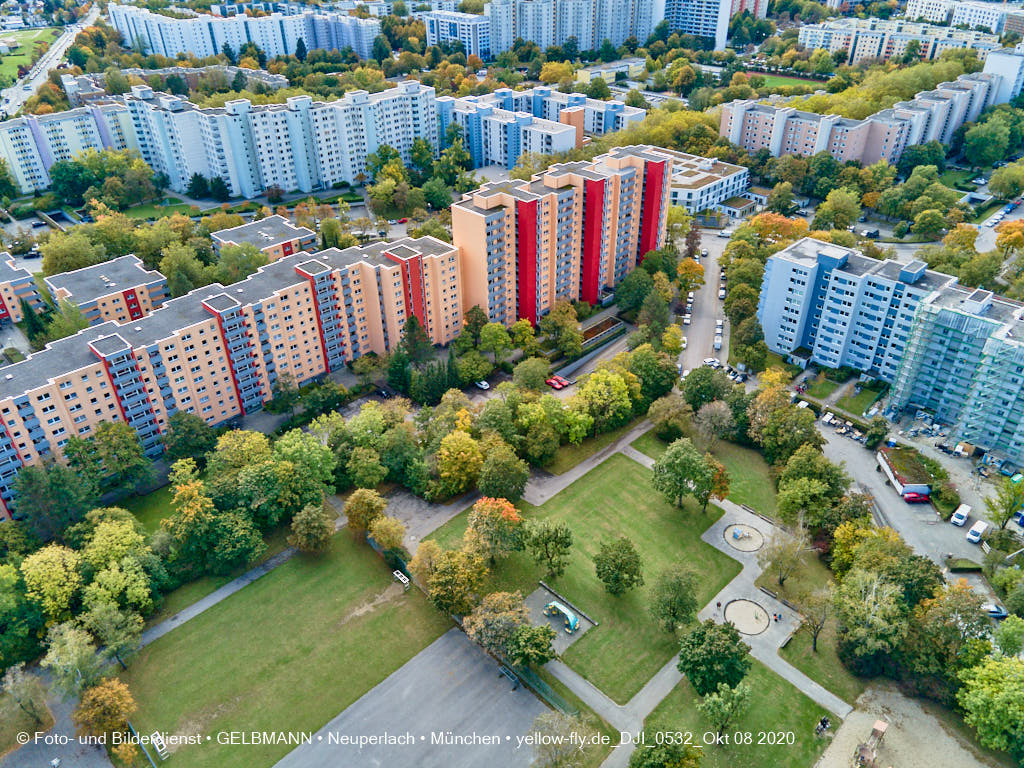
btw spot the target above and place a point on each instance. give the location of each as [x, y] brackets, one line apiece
[756, 8]
[121, 290]
[568, 233]
[703, 18]
[16, 285]
[956, 352]
[470, 29]
[274, 235]
[276, 34]
[553, 22]
[870, 39]
[218, 351]
[931, 115]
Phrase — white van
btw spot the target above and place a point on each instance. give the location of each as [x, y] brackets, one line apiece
[718, 343]
[977, 531]
[961, 514]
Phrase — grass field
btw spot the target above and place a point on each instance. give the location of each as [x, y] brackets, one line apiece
[776, 81]
[822, 666]
[157, 210]
[287, 653]
[569, 456]
[611, 500]
[821, 388]
[14, 720]
[151, 508]
[959, 180]
[775, 707]
[750, 480]
[858, 403]
[23, 56]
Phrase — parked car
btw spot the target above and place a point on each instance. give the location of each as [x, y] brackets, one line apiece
[912, 497]
[685, 373]
[690, 297]
[718, 343]
[995, 611]
[482, 385]
[684, 342]
[704, 252]
[725, 233]
[977, 531]
[564, 382]
[687, 318]
[711, 362]
[384, 394]
[554, 383]
[403, 220]
[960, 516]
[719, 324]
[721, 293]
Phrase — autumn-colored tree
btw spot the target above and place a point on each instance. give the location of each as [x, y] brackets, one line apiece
[492, 623]
[459, 461]
[362, 508]
[105, 708]
[456, 580]
[312, 528]
[425, 560]
[52, 579]
[387, 531]
[495, 528]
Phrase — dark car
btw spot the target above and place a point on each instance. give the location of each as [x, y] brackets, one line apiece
[912, 497]
[384, 394]
[995, 611]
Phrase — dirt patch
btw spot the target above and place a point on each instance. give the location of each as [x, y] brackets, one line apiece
[916, 735]
[198, 724]
[393, 591]
[747, 616]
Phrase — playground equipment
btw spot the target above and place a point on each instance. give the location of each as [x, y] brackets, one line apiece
[572, 623]
[867, 752]
[739, 534]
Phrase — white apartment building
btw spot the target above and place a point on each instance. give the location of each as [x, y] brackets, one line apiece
[868, 39]
[703, 183]
[470, 29]
[937, 11]
[276, 34]
[704, 18]
[973, 15]
[553, 22]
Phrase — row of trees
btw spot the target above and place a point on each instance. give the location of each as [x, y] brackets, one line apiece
[399, 191]
[117, 178]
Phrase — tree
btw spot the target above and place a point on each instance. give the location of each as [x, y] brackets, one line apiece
[531, 373]
[495, 528]
[105, 708]
[381, 49]
[786, 430]
[840, 209]
[877, 431]
[118, 632]
[188, 436]
[503, 474]
[670, 416]
[492, 623]
[984, 143]
[219, 190]
[455, 581]
[52, 579]
[459, 461]
[816, 609]
[705, 385]
[423, 562]
[362, 508]
[66, 321]
[120, 453]
[24, 689]
[690, 275]
[674, 597]
[726, 705]
[563, 741]
[550, 544]
[714, 421]
[67, 252]
[524, 337]
[781, 198]
[415, 341]
[633, 290]
[198, 187]
[556, 72]
[284, 394]
[605, 396]
[1009, 636]
[1007, 182]
[364, 468]
[712, 654]
[666, 754]
[71, 657]
[681, 471]
[312, 458]
[784, 551]
[495, 339]
[312, 528]
[618, 566]
[300, 49]
[474, 321]
[929, 223]
[871, 618]
[1008, 498]
[51, 498]
[388, 532]
[990, 698]
[530, 646]
[34, 327]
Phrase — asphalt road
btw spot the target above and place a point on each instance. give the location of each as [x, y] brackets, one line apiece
[15, 96]
[449, 687]
[707, 308]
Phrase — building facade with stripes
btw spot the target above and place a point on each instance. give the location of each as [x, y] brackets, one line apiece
[121, 290]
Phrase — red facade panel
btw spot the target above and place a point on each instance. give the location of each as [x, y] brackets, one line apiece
[593, 226]
[526, 259]
[654, 188]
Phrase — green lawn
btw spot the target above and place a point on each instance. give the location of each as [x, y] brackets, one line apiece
[23, 56]
[156, 210]
[14, 720]
[822, 666]
[858, 403]
[615, 499]
[287, 653]
[750, 480]
[570, 455]
[151, 508]
[775, 81]
[959, 180]
[821, 388]
[775, 707]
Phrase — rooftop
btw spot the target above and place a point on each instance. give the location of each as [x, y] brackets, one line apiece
[264, 233]
[90, 283]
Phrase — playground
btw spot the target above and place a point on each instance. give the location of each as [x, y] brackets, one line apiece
[745, 538]
[570, 624]
[747, 616]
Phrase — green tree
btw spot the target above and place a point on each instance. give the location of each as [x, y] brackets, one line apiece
[118, 632]
[120, 454]
[524, 337]
[725, 706]
[67, 252]
[674, 597]
[550, 544]
[712, 654]
[381, 49]
[503, 474]
[312, 528]
[704, 385]
[492, 623]
[984, 143]
[990, 698]
[52, 578]
[1009, 636]
[781, 198]
[530, 646]
[188, 436]
[840, 209]
[437, 194]
[929, 223]
[786, 430]
[365, 469]
[604, 395]
[415, 341]
[66, 321]
[1008, 498]
[51, 498]
[362, 508]
[219, 190]
[456, 580]
[633, 290]
[681, 471]
[871, 618]
[618, 566]
[664, 755]
[495, 339]
[71, 658]
[531, 373]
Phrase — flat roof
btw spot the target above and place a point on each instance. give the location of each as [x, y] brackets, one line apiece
[264, 233]
[90, 283]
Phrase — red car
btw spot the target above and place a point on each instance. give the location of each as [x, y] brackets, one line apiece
[560, 380]
[916, 498]
[403, 220]
[554, 382]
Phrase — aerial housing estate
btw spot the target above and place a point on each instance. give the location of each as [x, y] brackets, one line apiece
[882, 39]
[930, 115]
[570, 232]
[955, 352]
[303, 144]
